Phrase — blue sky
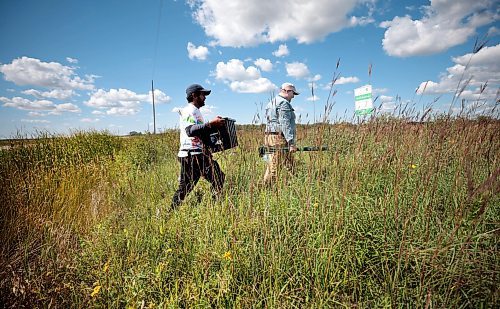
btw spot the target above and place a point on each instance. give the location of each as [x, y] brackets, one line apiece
[79, 65]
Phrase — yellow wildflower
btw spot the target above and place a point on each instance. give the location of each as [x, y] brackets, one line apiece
[413, 166]
[227, 256]
[106, 267]
[96, 290]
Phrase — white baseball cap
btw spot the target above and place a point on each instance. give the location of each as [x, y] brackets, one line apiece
[289, 86]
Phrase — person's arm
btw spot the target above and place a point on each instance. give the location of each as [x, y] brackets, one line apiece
[204, 128]
[197, 129]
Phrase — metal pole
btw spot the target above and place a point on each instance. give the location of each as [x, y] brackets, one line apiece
[154, 114]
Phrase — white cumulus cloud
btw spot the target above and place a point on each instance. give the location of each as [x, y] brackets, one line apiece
[71, 60]
[281, 51]
[59, 94]
[39, 105]
[194, 52]
[89, 120]
[35, 121]
[160, 97]
[476, 69]
[123, 111]
[235, 70]
[67, 107]
[346, 80]
[260, 85]
[297, 70]
[53, 75]
[264, 64]
[248, 23]
[243, 79]
[123, 101]
[25, 104]
[446, 23]
[387, 104]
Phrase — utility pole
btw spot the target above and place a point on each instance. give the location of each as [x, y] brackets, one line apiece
[154, 114]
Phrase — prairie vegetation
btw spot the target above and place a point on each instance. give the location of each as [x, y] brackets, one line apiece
[394, 214]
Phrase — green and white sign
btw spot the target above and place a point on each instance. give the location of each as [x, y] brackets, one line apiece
[363, 104]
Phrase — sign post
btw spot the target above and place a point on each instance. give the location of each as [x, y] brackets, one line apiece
[363, 100]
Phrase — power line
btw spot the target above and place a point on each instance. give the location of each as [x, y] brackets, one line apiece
[155, 53]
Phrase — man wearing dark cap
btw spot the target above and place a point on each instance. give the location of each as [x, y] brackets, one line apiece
[281, 132]
[196, 159]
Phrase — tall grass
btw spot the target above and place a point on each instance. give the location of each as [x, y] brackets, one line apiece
[395, 214]
[53, 189]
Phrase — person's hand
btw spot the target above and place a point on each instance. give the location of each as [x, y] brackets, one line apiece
[292, 148]
[217, 122]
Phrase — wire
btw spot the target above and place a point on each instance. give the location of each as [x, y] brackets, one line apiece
[155, 52]
[154, 64]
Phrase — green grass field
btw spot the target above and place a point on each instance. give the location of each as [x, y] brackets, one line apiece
[395, 214]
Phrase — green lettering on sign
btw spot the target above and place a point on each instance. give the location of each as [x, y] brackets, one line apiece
[363, 97]
[362, 112]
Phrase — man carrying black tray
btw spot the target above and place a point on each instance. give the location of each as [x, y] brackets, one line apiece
[194, 156]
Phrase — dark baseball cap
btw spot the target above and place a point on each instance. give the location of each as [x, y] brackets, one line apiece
[194, 88]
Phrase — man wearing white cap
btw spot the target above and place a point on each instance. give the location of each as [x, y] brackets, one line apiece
[281, 132]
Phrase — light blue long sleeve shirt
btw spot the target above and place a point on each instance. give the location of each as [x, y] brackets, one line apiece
[280, 117]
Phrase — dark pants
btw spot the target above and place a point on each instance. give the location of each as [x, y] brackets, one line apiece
[192, 168]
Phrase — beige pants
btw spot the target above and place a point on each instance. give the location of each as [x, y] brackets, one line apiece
[278, 159]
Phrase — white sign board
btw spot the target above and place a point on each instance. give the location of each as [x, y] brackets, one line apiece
[363, 100]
